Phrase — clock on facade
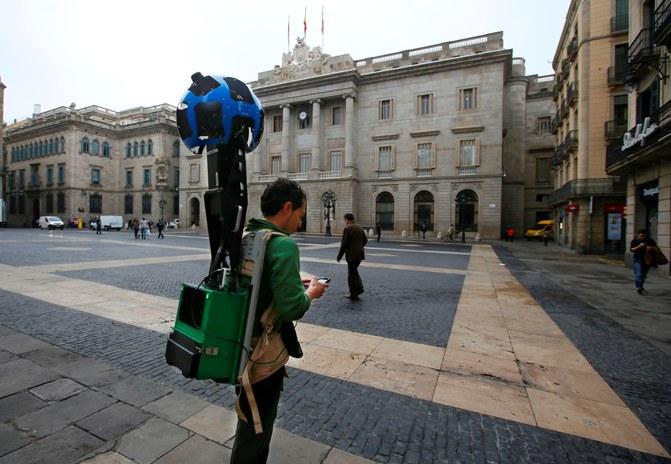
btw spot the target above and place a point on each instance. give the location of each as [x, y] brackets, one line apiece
[302, 115]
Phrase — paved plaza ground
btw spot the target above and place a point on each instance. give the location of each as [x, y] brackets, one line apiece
[459, 353]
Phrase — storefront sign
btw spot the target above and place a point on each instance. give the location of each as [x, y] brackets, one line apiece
[651, 192]
[614, 208]
[614, 231]
[642, 131]
[572, 208]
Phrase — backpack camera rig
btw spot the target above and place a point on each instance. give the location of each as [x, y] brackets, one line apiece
[211, 338]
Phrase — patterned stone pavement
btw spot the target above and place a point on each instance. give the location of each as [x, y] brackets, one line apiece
[448, 358]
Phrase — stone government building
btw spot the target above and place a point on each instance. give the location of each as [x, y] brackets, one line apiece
[79, 163]
[452, 133]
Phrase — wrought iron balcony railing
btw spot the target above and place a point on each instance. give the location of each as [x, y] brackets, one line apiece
[587, 187]
[641, 51]
[571, 141]
[663, 23]
[614, 129]
[572, 93]
[573, 48]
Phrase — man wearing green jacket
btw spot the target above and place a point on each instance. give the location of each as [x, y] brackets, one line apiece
[283, 207]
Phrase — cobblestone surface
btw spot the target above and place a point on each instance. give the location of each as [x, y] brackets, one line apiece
[383, 426]
[633, 367]
[74, 246]
[384, 255]
[156, 279]
[403, 305]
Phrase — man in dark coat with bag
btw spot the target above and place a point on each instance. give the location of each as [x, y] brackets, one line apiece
[351, 245]
[640, 261]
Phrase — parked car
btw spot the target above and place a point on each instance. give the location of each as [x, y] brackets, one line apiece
[174, 224]
[50, 222]
[538, 230]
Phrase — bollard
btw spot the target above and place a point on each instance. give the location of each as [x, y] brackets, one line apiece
[404, 234]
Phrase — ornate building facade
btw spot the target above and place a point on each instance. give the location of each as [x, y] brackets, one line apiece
[81, 163]
[436, 135]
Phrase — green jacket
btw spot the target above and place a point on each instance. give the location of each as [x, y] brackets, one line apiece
[281, 281]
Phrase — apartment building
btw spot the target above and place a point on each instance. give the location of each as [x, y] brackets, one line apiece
[643, 155]
[80, 163]
[540, 149]
[592, 107]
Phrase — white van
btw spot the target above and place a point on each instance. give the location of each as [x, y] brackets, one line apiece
[108, 223]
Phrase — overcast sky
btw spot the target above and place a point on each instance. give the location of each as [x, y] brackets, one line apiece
[125, 53]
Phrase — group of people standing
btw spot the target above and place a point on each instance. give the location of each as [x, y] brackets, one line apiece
[142, 228]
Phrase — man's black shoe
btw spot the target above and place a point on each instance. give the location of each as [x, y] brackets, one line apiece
[352, 297]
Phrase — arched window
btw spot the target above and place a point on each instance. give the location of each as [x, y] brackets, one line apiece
[30, 151]
[84, 145]
[40, 148]
[142, 148]
[150, 148]
[175, 148]
[51, 146]
[106, 150]
[129, 148]
[95, 147]
[424, 210]
[194, 210]
[384, 210]
[135, 147]
[466, 211]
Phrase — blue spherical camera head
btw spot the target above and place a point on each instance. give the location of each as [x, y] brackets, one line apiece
[218, 111]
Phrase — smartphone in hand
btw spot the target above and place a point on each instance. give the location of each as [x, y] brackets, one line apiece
[323, 280]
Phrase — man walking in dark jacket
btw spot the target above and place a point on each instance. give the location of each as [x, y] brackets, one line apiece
[353, 241]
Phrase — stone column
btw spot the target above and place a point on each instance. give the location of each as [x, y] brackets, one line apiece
[316, 164]
[286, 138]
[258, 156]
[349, 131]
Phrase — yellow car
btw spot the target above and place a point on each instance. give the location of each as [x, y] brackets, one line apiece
[537, 231]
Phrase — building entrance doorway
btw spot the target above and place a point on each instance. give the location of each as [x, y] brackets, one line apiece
[466, 211]
[36, 210]
[384, 211]
[424, 210]
[194, 212]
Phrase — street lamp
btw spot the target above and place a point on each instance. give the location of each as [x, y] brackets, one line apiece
[162, 204]
[329, 203]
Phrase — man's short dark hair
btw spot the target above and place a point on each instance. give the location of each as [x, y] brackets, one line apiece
[349, 217]
[278, 193]
[643, 231]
